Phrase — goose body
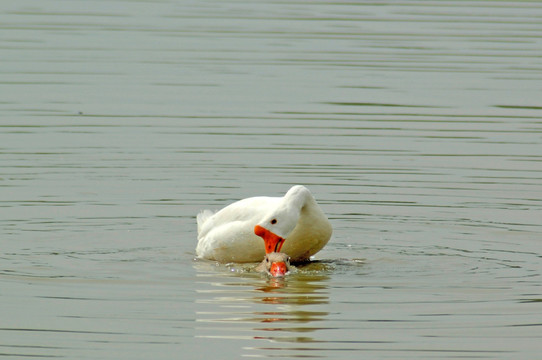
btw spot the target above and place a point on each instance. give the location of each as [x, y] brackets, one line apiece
[293, 224]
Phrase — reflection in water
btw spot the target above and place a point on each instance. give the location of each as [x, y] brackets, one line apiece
[247, 306]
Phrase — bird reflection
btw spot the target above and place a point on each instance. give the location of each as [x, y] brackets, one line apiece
[273, 284]
[232, 304]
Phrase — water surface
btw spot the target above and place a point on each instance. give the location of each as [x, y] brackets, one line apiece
[417, 125]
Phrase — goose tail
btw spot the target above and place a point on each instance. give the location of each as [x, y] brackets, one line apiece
[202, 217]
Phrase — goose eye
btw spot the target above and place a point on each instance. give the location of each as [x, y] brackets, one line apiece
[274, 221]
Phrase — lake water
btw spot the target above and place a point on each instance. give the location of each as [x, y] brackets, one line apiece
[417, 125]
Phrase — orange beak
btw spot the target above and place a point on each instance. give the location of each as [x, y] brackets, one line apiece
[273, 243]
[278, 269]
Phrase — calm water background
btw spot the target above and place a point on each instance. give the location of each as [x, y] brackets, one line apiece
[416, 124]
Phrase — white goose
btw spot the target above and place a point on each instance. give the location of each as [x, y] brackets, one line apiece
[234, 234]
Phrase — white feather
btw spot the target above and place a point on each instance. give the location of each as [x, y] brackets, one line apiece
[228, 235]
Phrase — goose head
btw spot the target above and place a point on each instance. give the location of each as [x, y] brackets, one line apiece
[281, 221]
[275, 264]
